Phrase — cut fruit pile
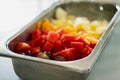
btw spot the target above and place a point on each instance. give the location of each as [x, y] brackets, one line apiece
[65, 38]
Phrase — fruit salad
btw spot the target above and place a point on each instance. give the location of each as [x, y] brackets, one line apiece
[63, 38]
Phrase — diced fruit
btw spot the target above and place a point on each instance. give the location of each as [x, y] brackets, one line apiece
[27, 52]
[68, 54]
[58, 46]
[78, 55]
[48, 46]
[43, 32]
[92, 40]
[60, 32]
[36, 34]
[69, 29]
[22, 47]
[53, 36]
[43, 40]
[78, 45]
[31, 43]
[46, 25]
[92, 45]
[86, 51]
[35, 50]
[42, 55]
[13, 46]
[60, 14]
[81, 39]
[35, 42]
[67, 38]
[59, 23]
[38, 25]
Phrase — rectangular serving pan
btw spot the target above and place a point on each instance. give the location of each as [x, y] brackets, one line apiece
[32, 68]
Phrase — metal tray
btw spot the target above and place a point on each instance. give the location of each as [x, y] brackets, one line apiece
[32, 68]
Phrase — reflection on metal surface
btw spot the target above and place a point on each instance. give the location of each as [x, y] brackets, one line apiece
[101, 8]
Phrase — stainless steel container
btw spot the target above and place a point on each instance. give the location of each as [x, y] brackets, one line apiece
[32, 68]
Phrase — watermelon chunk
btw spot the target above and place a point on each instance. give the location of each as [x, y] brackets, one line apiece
[48, 46]
[68, 54]
[53, 36]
